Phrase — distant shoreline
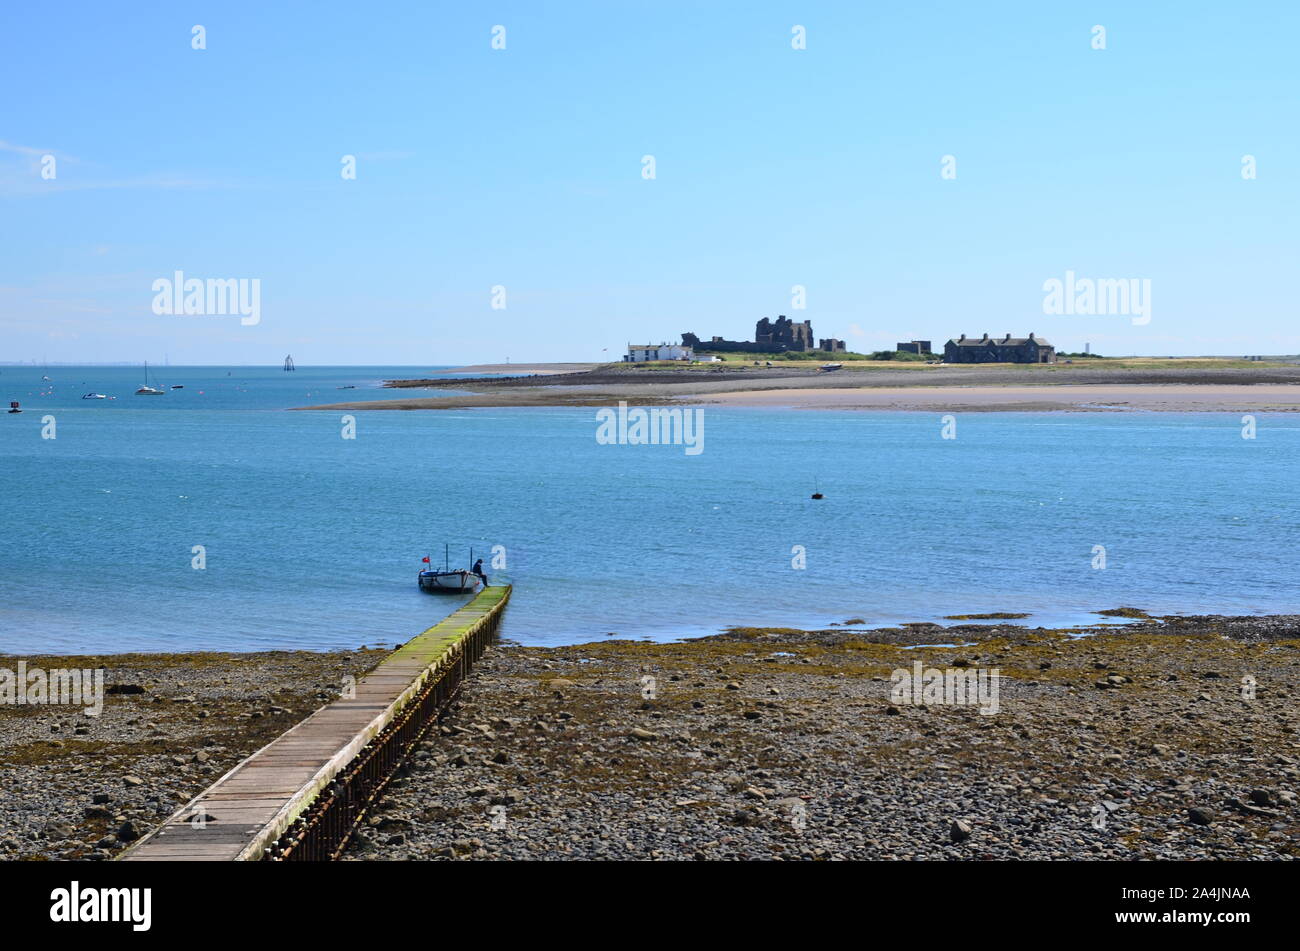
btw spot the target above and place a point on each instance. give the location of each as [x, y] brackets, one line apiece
[526, 369]
[1000, 388]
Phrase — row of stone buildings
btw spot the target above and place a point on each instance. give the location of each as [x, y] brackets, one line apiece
[783, 335]
[1009, 349]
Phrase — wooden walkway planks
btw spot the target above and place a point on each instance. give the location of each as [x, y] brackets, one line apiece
[252, 805]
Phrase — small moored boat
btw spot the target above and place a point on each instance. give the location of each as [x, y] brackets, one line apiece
[146, 389]
[449, 581]
[94, 396]
[829, 367]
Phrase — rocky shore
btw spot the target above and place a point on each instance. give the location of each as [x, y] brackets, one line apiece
[1147, 739]
[85, 787]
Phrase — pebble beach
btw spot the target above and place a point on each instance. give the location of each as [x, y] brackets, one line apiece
[1117, 743]
[1147, 738]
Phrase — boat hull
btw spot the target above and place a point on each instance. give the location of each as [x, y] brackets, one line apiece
[449, 582]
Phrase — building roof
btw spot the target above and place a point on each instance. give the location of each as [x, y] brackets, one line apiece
[1000, 341]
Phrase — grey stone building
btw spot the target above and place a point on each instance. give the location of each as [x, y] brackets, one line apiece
[1008, 349]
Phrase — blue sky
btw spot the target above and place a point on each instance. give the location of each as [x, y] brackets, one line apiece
[522, 167]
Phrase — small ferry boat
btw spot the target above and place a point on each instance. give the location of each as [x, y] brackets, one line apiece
[448, 581]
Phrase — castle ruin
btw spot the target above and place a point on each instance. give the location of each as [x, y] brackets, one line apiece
[770, 336]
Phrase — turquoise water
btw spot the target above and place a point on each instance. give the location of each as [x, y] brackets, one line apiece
[313, 540]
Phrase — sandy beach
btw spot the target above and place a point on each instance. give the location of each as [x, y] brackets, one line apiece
[940, 389]
[1151, 397]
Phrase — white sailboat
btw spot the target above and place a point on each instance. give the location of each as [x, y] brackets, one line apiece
[146, 389]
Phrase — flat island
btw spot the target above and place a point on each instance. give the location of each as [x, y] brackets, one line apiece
[1095, 385]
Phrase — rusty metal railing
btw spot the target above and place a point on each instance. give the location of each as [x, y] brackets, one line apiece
[323, 831]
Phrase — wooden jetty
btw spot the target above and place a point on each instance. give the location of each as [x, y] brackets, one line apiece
[301, 796]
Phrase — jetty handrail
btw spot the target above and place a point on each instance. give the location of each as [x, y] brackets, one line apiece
[302, 795]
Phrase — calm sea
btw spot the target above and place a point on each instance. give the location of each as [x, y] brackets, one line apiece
[313, 541]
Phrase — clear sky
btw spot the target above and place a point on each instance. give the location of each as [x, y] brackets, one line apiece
[522, 167]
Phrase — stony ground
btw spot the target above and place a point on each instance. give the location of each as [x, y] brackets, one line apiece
[1134, 742]
[82, 787]
[1140, 741]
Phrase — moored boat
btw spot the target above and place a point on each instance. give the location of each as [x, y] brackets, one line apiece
[146, 389]
[449, 580]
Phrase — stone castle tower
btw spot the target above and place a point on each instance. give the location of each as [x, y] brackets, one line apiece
[784, 334]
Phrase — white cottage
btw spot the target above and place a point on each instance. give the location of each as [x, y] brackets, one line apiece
[647, 352]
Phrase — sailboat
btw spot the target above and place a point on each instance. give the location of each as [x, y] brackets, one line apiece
[146, 389]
